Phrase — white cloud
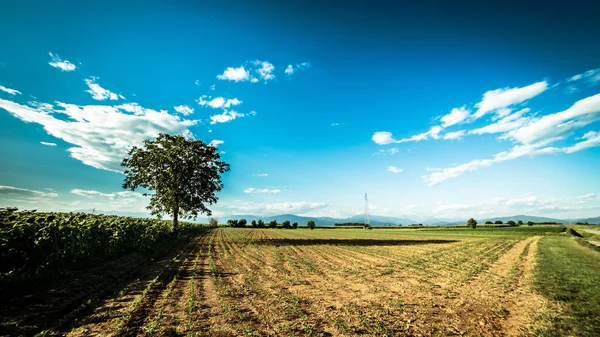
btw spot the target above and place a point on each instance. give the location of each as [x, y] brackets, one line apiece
[261, 175]
[265, 70]
[216, 142]
[290, 69]
[383, 138]
[227, 116]
[558, 125]
[9, 90]
[197, 82]
[48, 144]
[503, 98]
[57, 62]
[587, 196]
[184, 110]
[591, 76]
[394, 169]
[335, 124]
[261, 190]
[100, 135]
[239, 74]
[507, 123]
[98, 93]
[218, 102]
[454, 135]
[455, 116]
[10, 191]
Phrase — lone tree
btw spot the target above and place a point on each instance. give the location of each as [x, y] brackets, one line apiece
[184, 174]
[311, 224]
[472, 223]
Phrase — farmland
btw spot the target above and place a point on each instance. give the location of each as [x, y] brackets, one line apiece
[342, 282]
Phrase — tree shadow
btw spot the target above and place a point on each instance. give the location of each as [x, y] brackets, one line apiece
[347, 242]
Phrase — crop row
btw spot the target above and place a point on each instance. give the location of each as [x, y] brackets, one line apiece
[31, 242]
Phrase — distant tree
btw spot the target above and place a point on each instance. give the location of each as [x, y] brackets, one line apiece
[242, 223]
[489, 223]
[311, 224]
[520, 222]
[512, 223]
[232, 222]
[498, 222]
[261, 223]
[254, 224]
[286, 224]
[530, 223]
[273, 224]
[183, 173]
[472, 223]
[213, 222]
[295, 225]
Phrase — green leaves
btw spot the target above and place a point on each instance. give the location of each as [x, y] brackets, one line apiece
[184, 174]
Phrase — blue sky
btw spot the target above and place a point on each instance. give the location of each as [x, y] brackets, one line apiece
[434, 109]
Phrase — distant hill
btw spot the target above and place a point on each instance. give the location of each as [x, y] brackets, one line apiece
[375, 220]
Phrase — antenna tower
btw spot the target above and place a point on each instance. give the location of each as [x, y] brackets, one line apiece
[367, 222]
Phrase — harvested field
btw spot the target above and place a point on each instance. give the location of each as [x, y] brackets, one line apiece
[265, 282]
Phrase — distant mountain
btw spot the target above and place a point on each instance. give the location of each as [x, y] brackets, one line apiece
[375, 220]
[595, 220]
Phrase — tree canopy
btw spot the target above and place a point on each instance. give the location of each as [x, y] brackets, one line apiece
[184, 174]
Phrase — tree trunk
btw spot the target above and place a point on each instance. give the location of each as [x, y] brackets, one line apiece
[176, 219]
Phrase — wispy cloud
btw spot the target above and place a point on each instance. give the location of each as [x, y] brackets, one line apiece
[216, 142]
[184, 110]
[98, 93]
[454, 135]
[9, 90]
[225, 116]
[63, 65]
[502, 98]
[261, 175]
[253, 71]
[100, 135]
[48, 144]
[391, 151]
[218, 102]
[291, 69]
[395, 169]
[261, 190]
[22, 192]
[455, 116]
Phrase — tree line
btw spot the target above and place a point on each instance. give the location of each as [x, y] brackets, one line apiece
[242, 223]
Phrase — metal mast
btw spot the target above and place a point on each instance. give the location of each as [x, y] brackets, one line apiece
[367, 222]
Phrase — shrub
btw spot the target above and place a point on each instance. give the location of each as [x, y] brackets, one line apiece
[472, 223]
[489, 223]
[512, 223]
[213, 222]
[530, 223]
[520, 222]
[498, 222]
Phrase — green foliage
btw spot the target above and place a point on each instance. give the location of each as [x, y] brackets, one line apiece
[184, 174]
[261, 223]
[311, 224]
[472, 223]
[498, 222]
[254, 224]
[520, 222]
[242, 223]
[489, 223]
[287, 224]
[273, 224]
[31, 242]
[295, 225]
[530, 223]
[512, 223]
[213, 222]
